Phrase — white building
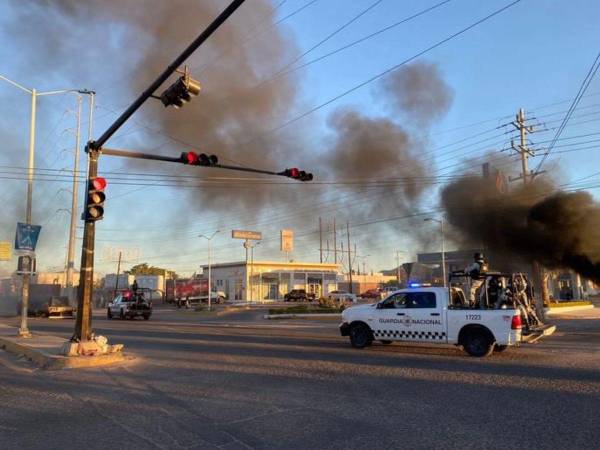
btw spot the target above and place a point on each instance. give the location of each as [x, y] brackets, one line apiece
[267, 280]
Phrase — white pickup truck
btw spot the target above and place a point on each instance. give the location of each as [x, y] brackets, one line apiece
[427, 315]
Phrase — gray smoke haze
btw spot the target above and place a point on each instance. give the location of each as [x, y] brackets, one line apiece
[98, 40]
[533, 222]
[385, 148]
[424, 95]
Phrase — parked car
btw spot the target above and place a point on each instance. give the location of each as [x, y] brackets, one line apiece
[343, 296]
[373, 293]
[128, 305]
[299, 295]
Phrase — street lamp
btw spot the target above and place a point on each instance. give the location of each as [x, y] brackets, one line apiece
[24, 330]
[441, 222]
[209, 274]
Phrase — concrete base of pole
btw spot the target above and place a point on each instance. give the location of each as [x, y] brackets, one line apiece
[24, 334]
[53, 352]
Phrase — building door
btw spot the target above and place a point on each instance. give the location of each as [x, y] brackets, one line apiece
[238, 290]
[273, 291]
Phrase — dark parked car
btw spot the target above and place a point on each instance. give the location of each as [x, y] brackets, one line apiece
[299, 295]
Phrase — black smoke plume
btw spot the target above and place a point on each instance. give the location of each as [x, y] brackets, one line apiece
[388, 149]
[531, 222]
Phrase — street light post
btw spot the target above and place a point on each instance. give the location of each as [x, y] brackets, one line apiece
[252, 268]
[441, 222]
[209, 267]
[24, 329]
[73, 224]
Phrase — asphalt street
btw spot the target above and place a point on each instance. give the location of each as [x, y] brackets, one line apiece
[238, 381]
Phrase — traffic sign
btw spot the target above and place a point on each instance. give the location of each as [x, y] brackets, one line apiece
[5, 251]
[27, 236]
[242, 234]
[26, 265]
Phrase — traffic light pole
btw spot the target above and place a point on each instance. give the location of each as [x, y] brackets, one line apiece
[84, 318]
[140, 155]
[83, 324]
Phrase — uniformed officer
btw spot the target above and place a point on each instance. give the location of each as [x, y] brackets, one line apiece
[476, 272]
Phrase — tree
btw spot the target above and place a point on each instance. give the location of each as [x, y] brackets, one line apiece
[145, 269]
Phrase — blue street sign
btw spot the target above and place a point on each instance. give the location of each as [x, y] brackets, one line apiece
[27, 236]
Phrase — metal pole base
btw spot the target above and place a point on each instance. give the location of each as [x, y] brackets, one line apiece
[24, 333]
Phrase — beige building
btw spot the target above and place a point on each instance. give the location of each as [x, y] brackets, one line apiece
[268, 280]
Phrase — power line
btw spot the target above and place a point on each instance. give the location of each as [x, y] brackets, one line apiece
[584, 85]
[381, 74]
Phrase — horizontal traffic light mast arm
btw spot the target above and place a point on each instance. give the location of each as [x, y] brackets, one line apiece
[235, 4]
[140, 155]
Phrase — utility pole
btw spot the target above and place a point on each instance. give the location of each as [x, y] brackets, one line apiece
[209, 290]
[73, 226]
[118, 272]
[522, 149]
[320, 241]
[525, 152]
[349, 257]
[398, 268]
[24, 329]
[335, 259]
[71, 249]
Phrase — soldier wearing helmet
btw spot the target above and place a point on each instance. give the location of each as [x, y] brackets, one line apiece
[476, 271]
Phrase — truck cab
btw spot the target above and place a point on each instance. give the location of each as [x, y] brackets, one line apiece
[436, 315]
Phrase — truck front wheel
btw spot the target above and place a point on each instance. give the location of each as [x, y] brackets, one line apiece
[478, 344]
[360, 335]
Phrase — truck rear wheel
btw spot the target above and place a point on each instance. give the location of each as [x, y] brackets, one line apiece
[360, 335]
[478, 344]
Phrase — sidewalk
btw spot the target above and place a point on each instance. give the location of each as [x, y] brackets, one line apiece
[44, 351]
[573, 313]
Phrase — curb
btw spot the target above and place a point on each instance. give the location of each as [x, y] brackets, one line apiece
[301, 316]
[557, 311]
[47, 361]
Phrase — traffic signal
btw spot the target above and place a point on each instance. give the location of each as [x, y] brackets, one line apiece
[297, 174]
[180, 92]
[94, 208]
[193, 159]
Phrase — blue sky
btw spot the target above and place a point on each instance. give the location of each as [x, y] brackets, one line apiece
[533, 55]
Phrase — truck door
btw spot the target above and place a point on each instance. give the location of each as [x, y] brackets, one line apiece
[424, 319]
[387, 321]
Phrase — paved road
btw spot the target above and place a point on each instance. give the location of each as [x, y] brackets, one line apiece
[238, 382]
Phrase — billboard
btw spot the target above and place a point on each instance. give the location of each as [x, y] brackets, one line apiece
[287, 240]
[242, 234]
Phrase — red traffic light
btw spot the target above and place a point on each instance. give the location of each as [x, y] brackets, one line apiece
[297, 174]
[192, 158]
[99, 183]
